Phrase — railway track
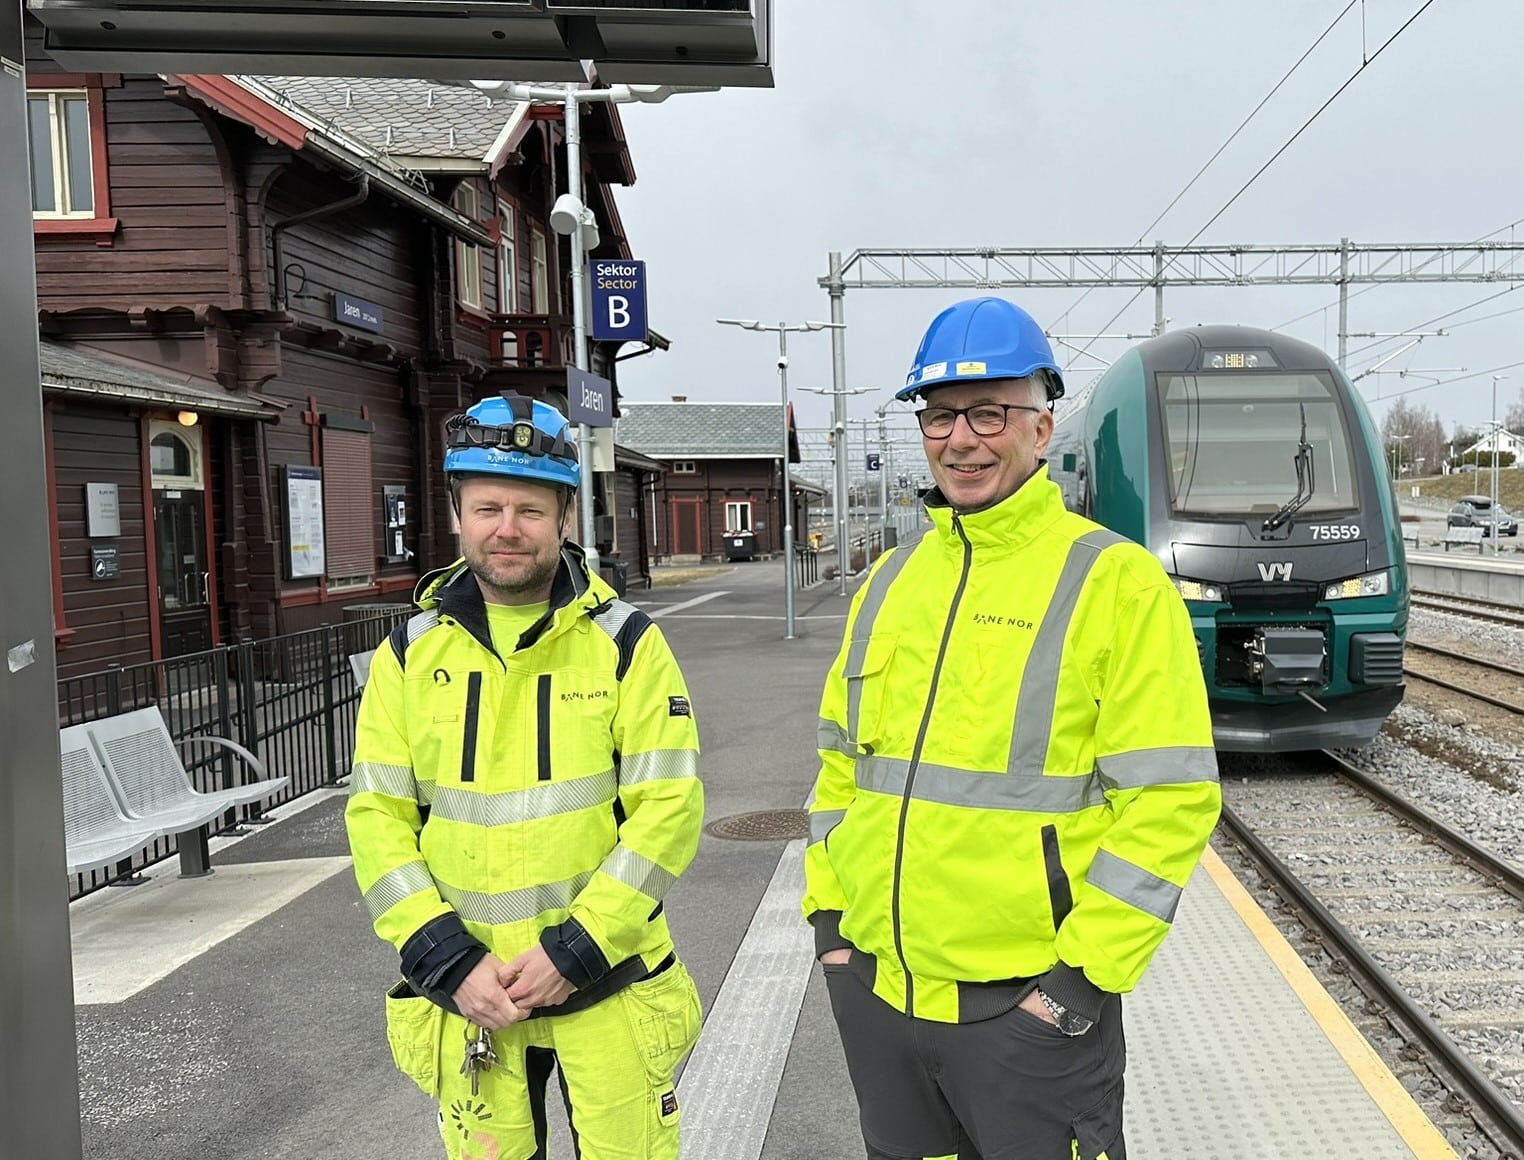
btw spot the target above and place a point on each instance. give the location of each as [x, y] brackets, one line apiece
[1429, 924]
[1492, 611]
[1470, 662]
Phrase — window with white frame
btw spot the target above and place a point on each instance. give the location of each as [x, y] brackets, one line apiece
[507, 262]
[737, 516]
[468, 260]
[58, 127]
[684, 467]
[539, 270]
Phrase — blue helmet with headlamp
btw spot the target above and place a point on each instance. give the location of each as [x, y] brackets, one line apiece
[512, 436]
[982, 338]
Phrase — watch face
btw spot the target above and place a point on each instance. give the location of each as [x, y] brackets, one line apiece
[1071, 1023]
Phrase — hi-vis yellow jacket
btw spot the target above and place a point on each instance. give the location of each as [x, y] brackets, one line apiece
[550, 794]
[1017, 774]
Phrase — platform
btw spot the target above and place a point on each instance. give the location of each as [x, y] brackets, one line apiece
[244, 1021]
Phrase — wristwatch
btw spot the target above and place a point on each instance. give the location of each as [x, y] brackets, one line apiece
[1071, 1023]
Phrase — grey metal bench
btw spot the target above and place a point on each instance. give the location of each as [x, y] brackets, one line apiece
[144, 768]
[98, 831]
[1463, 536]
[1410, 534]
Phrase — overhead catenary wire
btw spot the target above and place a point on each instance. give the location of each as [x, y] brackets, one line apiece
[1365, 64]
[1189, 185]
[1422, 265]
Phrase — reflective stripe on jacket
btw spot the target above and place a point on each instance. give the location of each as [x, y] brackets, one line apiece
[559, 781]
[1016, 758]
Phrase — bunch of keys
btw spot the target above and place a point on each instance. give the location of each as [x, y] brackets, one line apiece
[479, 1056]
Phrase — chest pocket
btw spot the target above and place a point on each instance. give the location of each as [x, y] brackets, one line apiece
[445, 719]
[574, 719]
[867, 680]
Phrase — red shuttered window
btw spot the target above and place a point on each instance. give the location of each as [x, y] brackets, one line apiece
[349, 509]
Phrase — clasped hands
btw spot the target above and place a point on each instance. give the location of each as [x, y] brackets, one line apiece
[497, 994]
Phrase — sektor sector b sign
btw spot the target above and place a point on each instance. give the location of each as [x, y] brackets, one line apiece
[619, 299]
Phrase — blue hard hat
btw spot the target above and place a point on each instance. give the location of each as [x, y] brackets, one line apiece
[514, 436]
[981, 338]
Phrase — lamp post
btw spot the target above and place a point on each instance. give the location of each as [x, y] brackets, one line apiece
[782, 330]
[1397, 441]
[572, 218]
[1495, 434]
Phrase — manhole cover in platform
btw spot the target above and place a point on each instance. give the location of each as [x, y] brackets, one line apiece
[762, 826]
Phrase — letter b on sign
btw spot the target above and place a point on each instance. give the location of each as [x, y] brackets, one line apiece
[619, 312]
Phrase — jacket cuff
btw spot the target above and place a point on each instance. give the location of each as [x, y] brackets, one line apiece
[454, 975]
[435, 947]
[827, 924]
[1068, 987]
[574, 953]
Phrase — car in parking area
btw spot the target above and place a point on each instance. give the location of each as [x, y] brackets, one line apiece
[1475, 511]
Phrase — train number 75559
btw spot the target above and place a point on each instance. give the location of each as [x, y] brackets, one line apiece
[1335, 531]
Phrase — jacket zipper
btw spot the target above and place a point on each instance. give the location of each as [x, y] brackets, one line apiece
[543, 720]
[915, 761]
[473, 710]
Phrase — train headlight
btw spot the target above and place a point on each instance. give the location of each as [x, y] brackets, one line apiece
[1199, 590]
[1371, 584]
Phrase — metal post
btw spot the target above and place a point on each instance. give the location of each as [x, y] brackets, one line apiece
[579, 324]
[1494, 528]
[39, 1070]
[837, 290]
[1158, 287]
[788, 500]
[1343, 303]
[883, 485]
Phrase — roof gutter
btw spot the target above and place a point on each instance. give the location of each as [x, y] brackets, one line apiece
[443, 215]
[360, 195]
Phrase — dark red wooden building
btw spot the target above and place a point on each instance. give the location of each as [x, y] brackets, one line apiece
[721, 474]
[260, 300]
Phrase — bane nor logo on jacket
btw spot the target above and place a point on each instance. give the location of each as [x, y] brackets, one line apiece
[995, 620]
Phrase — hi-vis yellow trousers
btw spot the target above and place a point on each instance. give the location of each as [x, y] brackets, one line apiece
[616, 1061]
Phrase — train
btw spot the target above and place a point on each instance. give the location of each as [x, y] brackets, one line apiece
[1251, 468]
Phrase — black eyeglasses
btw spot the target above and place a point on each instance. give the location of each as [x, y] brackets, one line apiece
[983, 419]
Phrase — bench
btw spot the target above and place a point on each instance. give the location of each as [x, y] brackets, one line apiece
[97, 829]
[1463, 536]
[1410, 534]
[150, 788]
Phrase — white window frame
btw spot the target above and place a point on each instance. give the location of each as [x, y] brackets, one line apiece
[195, 480]
[684, 467]
[539, 267]
[738, 508]
[507, 261]
[64, 183]
[468, 259]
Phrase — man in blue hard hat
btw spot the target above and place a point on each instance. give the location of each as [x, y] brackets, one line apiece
[524, 792]
[1016, 780]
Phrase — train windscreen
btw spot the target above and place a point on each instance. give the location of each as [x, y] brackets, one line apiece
[1233, 442]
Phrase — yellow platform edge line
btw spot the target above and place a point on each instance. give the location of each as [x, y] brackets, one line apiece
[1407, 1118]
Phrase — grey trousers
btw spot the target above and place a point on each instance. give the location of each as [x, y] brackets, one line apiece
[1012, 1087]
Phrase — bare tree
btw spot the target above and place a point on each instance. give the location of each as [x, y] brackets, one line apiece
[1514, 420]
[1414, 439]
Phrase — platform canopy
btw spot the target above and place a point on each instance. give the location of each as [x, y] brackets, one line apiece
[699, 42]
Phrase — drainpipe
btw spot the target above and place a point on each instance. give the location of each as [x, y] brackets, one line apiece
[362, 191]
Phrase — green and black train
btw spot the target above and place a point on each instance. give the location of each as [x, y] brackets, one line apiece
[1249, 466]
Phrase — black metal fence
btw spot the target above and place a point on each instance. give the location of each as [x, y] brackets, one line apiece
[806, 566]
[290, 700]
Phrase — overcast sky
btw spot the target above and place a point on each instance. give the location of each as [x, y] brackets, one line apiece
[898, 123]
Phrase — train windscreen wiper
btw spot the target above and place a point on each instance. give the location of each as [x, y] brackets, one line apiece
[1306, 483]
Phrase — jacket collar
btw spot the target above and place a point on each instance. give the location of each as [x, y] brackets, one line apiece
[453, 591]
[1008, 525]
